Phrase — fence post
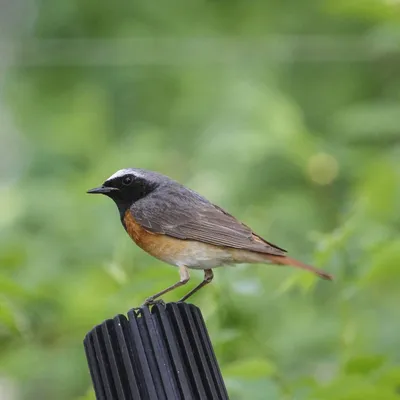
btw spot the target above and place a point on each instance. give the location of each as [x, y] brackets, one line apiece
[160, 353]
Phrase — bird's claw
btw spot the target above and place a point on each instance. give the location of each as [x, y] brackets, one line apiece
[152, 302]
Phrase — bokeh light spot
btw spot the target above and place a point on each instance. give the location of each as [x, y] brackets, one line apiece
[323, 168]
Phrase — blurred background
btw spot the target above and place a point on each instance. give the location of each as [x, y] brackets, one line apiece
[287, 114]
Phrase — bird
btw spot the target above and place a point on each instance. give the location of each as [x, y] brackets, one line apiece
[178, 226]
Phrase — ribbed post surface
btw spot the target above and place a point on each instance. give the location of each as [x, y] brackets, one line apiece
[162, 353]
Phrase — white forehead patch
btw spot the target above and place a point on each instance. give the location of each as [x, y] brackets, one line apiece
[118, 174]
[121, 173]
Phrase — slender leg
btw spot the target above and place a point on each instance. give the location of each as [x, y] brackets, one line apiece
[208, 277]
[184, 278]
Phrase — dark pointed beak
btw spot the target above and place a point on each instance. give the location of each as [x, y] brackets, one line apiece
[102, 190]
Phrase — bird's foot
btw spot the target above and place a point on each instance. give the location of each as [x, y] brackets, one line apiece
[150, 301]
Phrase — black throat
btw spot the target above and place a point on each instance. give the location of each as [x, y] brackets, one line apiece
[127, 196]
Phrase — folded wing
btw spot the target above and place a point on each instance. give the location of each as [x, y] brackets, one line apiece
[194, 218]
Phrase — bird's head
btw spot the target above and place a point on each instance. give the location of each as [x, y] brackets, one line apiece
[128, 185]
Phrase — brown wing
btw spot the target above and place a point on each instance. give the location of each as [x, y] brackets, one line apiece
[194, 218]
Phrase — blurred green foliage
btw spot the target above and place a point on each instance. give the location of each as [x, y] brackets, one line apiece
[299, 139]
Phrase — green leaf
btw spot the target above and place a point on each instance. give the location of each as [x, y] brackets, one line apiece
[385, 271]
[390, 379]
[12, 289]
[250, 369]
[90, 395]
[9, 318]
[364, 364]
[353, 388]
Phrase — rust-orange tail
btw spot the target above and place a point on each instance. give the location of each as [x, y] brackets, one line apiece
[285, 260]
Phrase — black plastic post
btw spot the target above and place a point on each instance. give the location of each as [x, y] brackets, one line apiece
[160, 353]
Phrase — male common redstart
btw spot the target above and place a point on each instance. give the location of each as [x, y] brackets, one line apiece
[182, 228]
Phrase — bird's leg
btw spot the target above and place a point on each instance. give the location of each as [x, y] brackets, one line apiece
[184, 278]
[208, 277]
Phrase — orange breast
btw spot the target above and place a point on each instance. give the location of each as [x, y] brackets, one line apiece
[163, 247]
[190, 253]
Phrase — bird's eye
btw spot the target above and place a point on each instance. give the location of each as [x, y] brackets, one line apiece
[127, 180]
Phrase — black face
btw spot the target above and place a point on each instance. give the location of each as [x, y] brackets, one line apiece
[125, 190]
